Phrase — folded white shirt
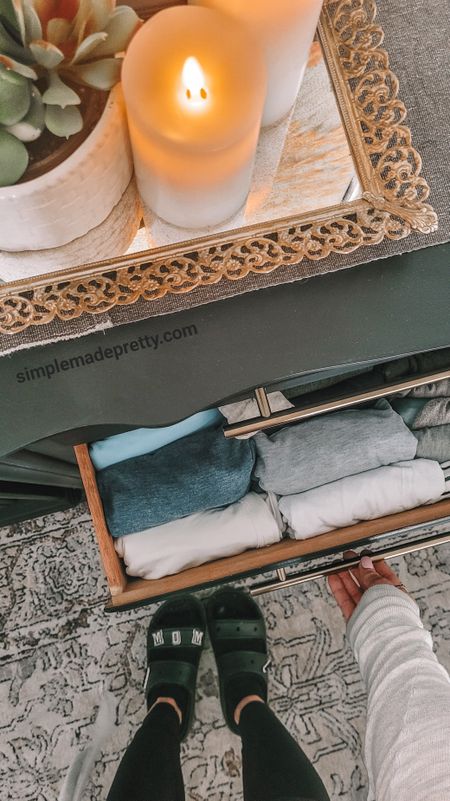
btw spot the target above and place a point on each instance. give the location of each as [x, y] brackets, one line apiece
[365, 496]
[248, 409]
[199, 538]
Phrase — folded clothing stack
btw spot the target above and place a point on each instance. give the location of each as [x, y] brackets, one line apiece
[178, 496]
[199, 472]
[426, 410]
[345, 467]
[330, 447]
[200, 538]
[375, 493]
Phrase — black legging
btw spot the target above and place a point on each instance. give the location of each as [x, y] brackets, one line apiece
[274, 767]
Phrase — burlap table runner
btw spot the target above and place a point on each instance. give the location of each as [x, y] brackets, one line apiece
[416, 38]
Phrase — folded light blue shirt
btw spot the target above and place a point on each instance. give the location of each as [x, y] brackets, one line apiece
[119, 447]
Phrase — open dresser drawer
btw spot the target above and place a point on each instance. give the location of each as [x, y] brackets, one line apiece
[127, 592]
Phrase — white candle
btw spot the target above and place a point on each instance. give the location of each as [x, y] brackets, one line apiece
[285, 29]
[194, 82]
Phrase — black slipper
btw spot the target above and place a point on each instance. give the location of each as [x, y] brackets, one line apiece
[238, 636]
[175, 641]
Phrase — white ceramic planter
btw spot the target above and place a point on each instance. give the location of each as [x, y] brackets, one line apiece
[113, 237]
[75, 196]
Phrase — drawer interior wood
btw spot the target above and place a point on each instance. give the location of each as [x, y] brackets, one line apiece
[126, 591]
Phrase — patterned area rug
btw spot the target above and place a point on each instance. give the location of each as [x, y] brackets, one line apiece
[59, 647]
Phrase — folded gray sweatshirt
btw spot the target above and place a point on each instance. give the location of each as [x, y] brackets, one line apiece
[423, 412]
[407, 743]
[434, 443]
[330, 447]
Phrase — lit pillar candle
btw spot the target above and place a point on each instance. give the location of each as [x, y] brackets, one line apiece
[194, 83]
[285, 29]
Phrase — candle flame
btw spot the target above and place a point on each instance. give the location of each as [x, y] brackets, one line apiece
[193, 79]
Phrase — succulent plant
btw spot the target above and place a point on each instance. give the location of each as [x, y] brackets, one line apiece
[47, 49]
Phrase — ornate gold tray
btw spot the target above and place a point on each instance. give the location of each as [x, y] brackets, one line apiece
[347, 179]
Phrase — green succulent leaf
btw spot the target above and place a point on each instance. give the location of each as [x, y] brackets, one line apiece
[13, 159]
[102, 74]
[8, 14]
[58, 93]
[120, 29]
[10, 47]
[87, 45]
[22, 69]
[46, 54]
[20, 19]
[15, 96]
[63, 121]
[31, 126]
[58, 30]
[33, 27]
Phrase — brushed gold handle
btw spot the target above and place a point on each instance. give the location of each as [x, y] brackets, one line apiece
[263, 402]
[296, 414]
[285, 580]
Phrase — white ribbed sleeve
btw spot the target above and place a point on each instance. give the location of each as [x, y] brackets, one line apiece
[407, 746]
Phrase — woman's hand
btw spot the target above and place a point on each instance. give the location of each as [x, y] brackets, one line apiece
[349, 586]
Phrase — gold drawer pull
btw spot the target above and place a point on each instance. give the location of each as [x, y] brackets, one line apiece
[286, 581]
[294, 415]
[263, 402]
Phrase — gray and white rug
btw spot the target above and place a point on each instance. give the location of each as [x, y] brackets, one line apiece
[59, 647]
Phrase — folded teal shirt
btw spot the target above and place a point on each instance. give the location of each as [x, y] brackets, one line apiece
[408, 408]
[196, 473]
[120, 447]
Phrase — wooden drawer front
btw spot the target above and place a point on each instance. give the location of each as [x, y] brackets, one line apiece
[127, 592]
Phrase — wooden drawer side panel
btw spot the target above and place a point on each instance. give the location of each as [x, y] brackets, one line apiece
[112, 565]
